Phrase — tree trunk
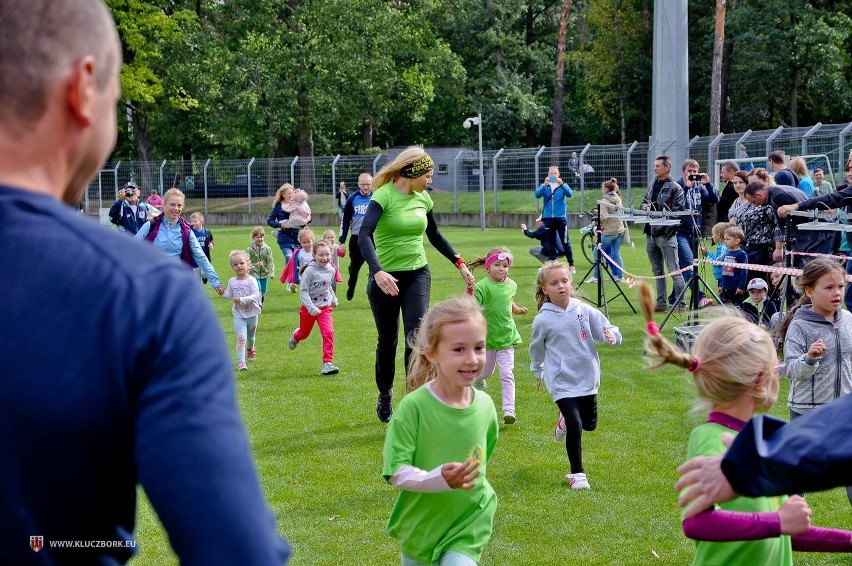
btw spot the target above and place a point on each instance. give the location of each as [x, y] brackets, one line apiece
[716, 73]
[143, 148]
[305, 140]
[367, 134]
[559, 95]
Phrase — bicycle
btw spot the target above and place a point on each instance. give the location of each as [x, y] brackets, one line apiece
[588, 241]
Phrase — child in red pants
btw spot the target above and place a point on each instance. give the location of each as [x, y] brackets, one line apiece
[318, 301]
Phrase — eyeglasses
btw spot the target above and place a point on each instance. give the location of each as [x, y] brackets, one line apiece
[363, 184]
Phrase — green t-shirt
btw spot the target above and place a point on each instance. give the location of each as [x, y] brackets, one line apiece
[496, 300]
[426, 433]
[399, 233]
[706, 440]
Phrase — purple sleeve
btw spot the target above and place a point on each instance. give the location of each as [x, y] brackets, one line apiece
[718, 525]
[819, 539]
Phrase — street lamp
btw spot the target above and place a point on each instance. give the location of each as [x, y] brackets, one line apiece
[477, 120]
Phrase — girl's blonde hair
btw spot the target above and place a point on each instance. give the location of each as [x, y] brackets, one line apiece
[279, 194]
[799, 167]
[306, 232]
[236, 253]
[731, 358]
[173, 192]
[327, 232]
[451, 311]
[391, 170]
[719, 229]
[811, 273]
[257, 231]
[473, 264]
[548, 266]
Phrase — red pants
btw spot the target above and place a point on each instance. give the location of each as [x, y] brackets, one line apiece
[326, 324]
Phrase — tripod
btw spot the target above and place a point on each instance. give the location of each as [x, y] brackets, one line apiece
[694, 282]
[599, 267]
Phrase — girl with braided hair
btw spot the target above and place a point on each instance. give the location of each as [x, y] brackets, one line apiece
[733, 365]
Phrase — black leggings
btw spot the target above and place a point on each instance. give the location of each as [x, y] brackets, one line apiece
[356, 260]
[413, 300]
[580, 413]
[557, 239]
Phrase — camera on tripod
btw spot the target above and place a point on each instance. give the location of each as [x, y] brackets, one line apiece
[694, 178]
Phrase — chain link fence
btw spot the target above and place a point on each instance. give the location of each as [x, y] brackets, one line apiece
[509, 176]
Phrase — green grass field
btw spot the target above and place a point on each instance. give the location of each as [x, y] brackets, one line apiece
[317, 442]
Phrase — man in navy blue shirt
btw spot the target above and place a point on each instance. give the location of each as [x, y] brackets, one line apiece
[784, 176]
[353, 216]
[101, 392]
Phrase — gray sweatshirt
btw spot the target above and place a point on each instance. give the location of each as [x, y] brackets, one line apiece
[316, 291]
[562, 348]
[820, 381]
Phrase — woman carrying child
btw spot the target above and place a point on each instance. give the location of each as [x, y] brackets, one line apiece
[496, 294]
[733, 365]
[439, 442]
[563, 354]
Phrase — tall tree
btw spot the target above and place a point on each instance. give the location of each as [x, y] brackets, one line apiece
[559, 92]
[716, 74]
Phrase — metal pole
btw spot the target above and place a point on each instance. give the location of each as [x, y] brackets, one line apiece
[248, 171]
[293, 171]
[582, 180]
[713, 151]
[841, 148]
[771, 137]
[629, 168]
[375, 163]
[115, 177]
[455, 182]
[691, 143]
[651, 157]
[481, 178]
[809, 134]
[740, 142]
[494, 177]
[206, 165]
[334, 174]
[537, 155]
[162, 166]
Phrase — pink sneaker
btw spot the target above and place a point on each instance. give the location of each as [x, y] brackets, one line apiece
[242, 366]
[251, 354]
[578, 481]
[559, 431]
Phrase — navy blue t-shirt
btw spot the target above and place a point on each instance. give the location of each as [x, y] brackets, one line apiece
[115, 373]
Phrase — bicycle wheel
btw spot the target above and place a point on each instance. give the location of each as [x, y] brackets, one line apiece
[587, 243]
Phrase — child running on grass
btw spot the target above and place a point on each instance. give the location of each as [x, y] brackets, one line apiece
[302, 256]
[337, 252]
[733, 365]
[260, 258]
[563, 354]
[318, 302]
[439, 442]
[817, 339]
[496, 294]
[243, 290]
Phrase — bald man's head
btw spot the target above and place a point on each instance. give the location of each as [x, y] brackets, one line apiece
[40, 42]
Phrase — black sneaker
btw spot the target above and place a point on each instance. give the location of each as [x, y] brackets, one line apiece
[383, 407]
[349, 294]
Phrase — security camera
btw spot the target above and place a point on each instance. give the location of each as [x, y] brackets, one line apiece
[467, 124]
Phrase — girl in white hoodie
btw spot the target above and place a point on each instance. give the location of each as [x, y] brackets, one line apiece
[564, 356]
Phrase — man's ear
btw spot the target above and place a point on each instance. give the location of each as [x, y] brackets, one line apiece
[82, 87]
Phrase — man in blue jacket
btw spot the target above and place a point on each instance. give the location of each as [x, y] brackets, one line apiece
[102, 392]
[554, 213]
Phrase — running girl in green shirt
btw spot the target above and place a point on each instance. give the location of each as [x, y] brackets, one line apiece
[496, 294]
[391, 241]
[733, 364]
[439, 442]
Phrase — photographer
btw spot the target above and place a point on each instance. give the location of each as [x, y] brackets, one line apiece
[128, 213]
[698, 194]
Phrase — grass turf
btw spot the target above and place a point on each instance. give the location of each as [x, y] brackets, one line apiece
[317, 443]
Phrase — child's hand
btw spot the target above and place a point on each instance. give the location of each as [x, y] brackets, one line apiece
[460, 475]
[610, 337]
[702, 249]
[237, 301]
[795, 515]
[739, 292]
[519, 310]
[523, 226]
[210, 245]
[538, 381]
[817, 349]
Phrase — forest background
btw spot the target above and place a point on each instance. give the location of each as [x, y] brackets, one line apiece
[232, 79]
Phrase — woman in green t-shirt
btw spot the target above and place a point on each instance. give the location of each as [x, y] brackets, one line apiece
[391, 241]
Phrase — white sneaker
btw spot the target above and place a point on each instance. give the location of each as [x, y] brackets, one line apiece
[293, 342]
[578, 481]
[287, 287]
[559, 431]
[509, 417]
[592, 280]
[572, 270]
[329, 368]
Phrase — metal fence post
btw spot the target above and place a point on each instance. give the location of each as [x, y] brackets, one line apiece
[535, 173]
[455, 182]
[293, 171]
[691, 143]
[841, 148]
[629, 169]
[740, 142]
[583, 177]
[334, 175]
[808, 134]
[162, 166]
[375, 163]
[115, 178]
[713, 151]
[206, 165]
[248, 171]
[494, 177]
[651, 157]
[771, 138]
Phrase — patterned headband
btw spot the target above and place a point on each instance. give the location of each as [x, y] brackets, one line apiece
[502, 256]
[418, 168]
